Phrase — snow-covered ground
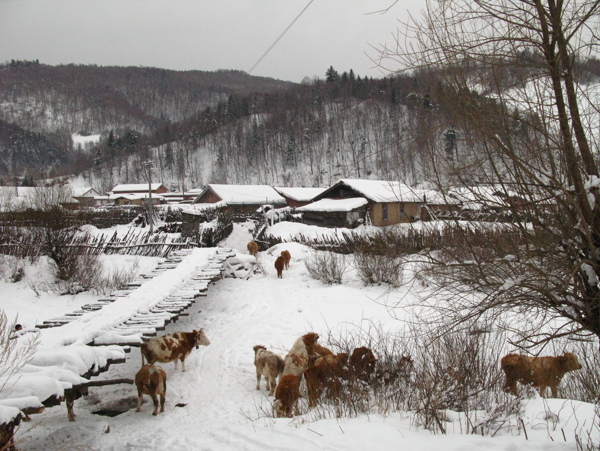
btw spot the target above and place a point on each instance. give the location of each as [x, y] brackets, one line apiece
[214, 405]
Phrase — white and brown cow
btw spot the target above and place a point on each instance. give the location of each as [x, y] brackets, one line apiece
[151, 380]
[297, 359]
[173, 347]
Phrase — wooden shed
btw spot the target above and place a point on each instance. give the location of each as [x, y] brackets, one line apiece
[335, 212]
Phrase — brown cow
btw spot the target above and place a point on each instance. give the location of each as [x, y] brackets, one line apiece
[151, 380]
[362, 363]
[269, 364]
[319, 351]
[327, 373]
[279, 267]
[297, 359]
[541, 372]
[252, 248]
[173, 347]
[286, 258]
[286, 395]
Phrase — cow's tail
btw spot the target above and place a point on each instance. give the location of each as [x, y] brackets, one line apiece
[142, 351]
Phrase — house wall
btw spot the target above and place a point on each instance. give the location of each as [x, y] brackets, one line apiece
[395, 213]
[333, 218]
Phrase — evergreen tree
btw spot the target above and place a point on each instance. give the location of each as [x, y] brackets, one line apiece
[331, 75]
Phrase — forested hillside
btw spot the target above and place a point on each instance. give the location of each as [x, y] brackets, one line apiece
[58, 101]
[229, 127]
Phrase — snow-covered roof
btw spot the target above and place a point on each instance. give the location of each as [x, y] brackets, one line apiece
[198, 209]
[335, 204]
[299, 194]
[84, 192]
[134, 196]
[475, 197]
[245, 194]
[380, 190]
[134, 187]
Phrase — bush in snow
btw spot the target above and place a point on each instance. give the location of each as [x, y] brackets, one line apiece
[328, 267]
[376, 266]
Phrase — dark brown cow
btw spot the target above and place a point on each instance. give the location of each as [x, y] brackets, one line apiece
[286, 395]
[541, 372]
[151, 380]
[362, 363]
[279, 267]
[286, 259]
[173, 347]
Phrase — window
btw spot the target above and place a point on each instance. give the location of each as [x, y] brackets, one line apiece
[402, 212]
[384, 212]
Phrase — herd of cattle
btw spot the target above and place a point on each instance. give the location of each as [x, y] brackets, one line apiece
[325, 373]
[282, 262]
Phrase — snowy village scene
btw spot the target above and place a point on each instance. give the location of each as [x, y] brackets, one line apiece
[300, 225]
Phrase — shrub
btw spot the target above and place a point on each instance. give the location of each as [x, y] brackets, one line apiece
[376, 267]
[328, 267]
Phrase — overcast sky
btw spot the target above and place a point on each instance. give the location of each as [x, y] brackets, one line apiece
[202, 34]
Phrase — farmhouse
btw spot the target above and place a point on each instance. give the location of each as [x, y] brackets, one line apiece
[387, 203]
[241, 200]
[298, 196]
[84, 198]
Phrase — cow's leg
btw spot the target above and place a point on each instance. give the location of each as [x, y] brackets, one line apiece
[140, 400]
[162, 402]
[510, 386]
[271, 385]
[258, 375]
[554, 389]
[70, 412]
[543, 391]
[155, 402]
[182, 364]
[176, 363]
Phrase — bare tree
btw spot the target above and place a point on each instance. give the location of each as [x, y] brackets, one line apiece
[509, 67]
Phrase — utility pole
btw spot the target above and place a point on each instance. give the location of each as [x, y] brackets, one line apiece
[149, 166]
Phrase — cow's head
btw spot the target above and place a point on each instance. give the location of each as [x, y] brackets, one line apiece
[201, 338]
[569, 362]
[258, 347]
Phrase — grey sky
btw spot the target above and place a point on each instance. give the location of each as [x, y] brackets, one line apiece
[201, 34]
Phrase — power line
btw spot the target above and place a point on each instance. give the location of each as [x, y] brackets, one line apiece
[280, 36]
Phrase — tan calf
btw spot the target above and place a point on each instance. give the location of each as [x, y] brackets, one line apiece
[268, 364]
[540, 372]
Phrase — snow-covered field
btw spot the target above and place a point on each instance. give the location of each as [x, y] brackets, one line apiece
[214, 404]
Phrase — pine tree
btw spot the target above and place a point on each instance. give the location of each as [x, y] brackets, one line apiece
[331, 75]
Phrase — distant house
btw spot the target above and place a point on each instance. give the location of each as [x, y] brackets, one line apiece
[85, 197]
[297, 196]
[135, 188]
[139, 199]
[241, 200]
[348, 212]
[388, 202]
[178, 197]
